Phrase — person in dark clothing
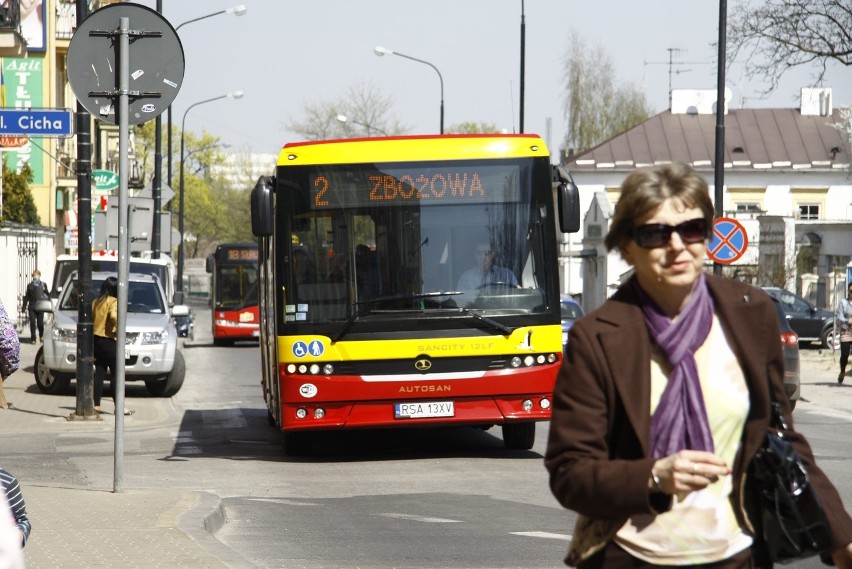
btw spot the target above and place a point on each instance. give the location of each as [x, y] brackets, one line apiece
[36, 290]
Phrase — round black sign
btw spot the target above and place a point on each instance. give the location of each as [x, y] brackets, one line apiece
[155, 70]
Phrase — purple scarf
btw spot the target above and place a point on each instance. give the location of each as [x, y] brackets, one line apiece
[680, 421]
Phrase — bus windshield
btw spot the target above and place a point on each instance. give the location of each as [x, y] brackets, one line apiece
[237, 286]
[378, 241]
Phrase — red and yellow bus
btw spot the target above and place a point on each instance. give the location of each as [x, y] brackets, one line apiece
[367, 316]
[233, 272]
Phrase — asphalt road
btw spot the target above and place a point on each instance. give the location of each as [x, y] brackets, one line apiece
[380, 499]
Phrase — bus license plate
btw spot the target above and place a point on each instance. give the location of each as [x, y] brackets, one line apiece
[423, 410]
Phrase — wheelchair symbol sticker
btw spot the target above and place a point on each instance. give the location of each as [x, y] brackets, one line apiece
[300, 349]
[315, 348]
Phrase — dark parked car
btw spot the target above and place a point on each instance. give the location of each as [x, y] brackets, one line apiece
[810, 323]
[571, 310]
[790, 345]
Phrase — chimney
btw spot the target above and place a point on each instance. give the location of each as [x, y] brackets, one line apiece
[816, 102]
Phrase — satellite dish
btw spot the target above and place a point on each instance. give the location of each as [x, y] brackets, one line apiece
[156, 63]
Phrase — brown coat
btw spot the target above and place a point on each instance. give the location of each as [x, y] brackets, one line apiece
[598, 450]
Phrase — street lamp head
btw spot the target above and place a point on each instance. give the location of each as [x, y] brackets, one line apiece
[237, 10]
[235, 95]
[380, 51]
[342, 118]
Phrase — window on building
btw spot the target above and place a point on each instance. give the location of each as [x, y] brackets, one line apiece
[838, 262]
[808, 211]
[748, 207]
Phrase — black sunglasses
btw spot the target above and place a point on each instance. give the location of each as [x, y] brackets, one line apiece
[655, 235]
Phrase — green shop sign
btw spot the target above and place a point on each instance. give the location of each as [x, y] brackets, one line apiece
[105, 180]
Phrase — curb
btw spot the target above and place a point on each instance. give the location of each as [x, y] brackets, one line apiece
[210, 510]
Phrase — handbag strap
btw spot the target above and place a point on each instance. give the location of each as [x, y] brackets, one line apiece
[776, 416]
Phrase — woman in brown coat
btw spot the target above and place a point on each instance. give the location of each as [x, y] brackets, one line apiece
[663, 397]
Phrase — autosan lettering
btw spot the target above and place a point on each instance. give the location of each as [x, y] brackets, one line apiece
[430, 348]
[424, 388]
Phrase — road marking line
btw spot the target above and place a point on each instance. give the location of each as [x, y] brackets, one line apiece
[283, 501]
[417, 518]
[542, 534]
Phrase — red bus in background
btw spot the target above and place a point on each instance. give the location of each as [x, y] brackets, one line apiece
[233, 292]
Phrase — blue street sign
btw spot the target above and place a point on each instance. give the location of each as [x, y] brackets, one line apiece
[36, 122]
[728, 242]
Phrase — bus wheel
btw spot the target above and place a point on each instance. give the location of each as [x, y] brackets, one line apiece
[297, 444]
[519, 436]
[173, 382]
[50, 382]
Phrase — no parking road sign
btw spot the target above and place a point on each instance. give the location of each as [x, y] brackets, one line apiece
[728, 242]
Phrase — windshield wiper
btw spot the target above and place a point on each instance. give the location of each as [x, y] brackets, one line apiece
[411, 296]
[507, 330]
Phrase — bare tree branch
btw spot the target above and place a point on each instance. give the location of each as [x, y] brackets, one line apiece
[778, 35]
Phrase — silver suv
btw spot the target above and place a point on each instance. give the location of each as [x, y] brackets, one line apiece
[151, 353]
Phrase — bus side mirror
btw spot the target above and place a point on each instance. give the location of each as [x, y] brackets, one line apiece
[568, 197]
[567, 201]
[208, 265]
[261, 207]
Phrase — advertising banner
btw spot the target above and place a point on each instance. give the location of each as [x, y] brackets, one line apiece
[22, 85]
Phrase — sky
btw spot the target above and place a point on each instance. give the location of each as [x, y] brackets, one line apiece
[284, 54]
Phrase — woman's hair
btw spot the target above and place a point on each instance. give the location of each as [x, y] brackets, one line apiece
[110, 287]
[645, 189]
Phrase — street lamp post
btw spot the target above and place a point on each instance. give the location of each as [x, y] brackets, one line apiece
[238, 10]
[381, 51]
[179, 284]
[345, 119]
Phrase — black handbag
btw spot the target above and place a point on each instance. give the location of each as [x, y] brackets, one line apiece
[782, 502]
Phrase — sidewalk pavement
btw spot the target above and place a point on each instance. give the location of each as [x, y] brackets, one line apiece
[820, 392]
[95, 527]
[76, 526]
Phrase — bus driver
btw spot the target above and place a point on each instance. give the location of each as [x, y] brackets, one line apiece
[486, 272]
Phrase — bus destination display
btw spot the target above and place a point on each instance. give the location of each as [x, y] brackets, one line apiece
[242, 254]
[389, 187]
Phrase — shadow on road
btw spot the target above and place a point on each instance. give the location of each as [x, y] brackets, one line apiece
[245, 434]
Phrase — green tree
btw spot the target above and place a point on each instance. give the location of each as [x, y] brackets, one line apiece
[18, 202]
[366, 110]
[596, 108]
[778, 35]
[214, 212]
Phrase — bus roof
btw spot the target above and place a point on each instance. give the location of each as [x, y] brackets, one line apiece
[405, 148]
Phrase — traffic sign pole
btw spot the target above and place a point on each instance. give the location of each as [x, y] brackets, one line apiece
[123, 242]
[158, 71]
